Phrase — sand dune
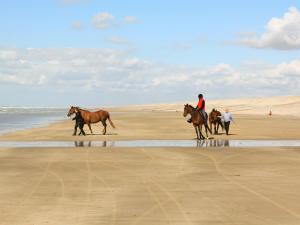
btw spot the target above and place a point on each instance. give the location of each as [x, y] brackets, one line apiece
[280, 105]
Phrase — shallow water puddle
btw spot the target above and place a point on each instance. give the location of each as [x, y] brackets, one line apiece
[155, 143]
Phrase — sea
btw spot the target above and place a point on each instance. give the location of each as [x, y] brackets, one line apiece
[20, 118]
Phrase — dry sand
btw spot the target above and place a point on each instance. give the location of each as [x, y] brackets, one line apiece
[280, 105]
[164, 125]
[151, 186]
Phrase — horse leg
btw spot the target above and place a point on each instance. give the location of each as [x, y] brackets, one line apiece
[197, 132]
[89, 125]
[206, 128]
[217, 130]
[104, 125]
[200, 131]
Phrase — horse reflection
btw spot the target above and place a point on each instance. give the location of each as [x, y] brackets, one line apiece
[90, 144]
[212, 143]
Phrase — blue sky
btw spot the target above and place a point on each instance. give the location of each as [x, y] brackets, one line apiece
[160, 47]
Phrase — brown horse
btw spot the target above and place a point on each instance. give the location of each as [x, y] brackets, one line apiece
[215, 119]
[197, 120]
[93, 117]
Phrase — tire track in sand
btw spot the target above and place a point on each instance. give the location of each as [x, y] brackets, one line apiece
[169, 194]
[249, 190]
[149, 190]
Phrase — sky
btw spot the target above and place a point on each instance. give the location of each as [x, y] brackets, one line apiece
[110, 53]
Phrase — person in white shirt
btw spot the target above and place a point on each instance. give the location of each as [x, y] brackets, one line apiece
[227, 118]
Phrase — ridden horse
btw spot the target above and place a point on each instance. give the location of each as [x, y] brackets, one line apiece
[215, 119]
[93, 117]
[197, 120]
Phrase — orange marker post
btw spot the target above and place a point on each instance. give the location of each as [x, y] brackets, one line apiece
[270, 113]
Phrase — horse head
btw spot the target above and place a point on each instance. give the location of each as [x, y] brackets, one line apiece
[72, 110]
[215, 115]
[187, 109]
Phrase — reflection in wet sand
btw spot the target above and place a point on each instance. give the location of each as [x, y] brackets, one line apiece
[213, 143]
[89, 144]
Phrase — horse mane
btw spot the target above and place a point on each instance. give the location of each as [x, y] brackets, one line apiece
[188, 105]
[78, 108]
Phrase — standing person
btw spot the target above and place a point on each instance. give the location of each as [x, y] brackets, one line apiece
[79, 123]
[227, 117]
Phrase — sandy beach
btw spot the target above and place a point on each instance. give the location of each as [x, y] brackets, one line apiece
[166, 121]
[149, 186]
[142, 68]
[158, 125]
[153, 185]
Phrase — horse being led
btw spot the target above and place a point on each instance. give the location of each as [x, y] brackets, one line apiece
[215, 119]
[93, 117]
[197, 120]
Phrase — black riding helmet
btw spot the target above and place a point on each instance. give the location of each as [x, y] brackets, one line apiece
[200, 96]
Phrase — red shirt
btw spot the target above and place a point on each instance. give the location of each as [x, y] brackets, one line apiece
[201, 104]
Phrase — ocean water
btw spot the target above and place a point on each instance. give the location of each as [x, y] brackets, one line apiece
[19, 118]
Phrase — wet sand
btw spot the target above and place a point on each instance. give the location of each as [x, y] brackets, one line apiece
[151, 186]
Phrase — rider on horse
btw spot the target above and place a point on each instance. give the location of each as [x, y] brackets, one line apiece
[201, 109]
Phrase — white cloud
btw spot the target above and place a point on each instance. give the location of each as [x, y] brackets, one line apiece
[72, 2]
[103, 20]
[170, 80]
[77, 25]
[130, 19]
[280, 33]
[287, 69]
[108, 72]
[183, 46]
[8, 54]
[118, 40]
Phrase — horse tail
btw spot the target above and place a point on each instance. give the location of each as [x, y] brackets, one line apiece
[111, 123]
